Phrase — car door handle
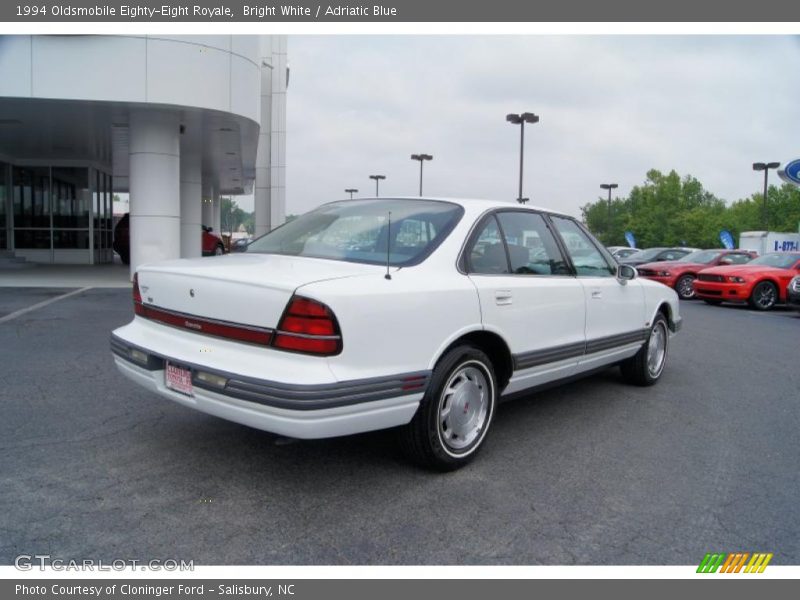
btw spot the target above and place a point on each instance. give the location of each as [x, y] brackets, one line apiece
[597, 295]
[502, 297]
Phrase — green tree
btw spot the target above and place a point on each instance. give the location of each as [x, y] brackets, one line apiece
[232, 216]
[665, 210]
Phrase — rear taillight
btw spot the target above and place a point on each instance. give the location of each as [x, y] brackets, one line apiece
[137, 296]
[308, 326]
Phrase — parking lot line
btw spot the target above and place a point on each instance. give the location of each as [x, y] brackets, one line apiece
[33, 307]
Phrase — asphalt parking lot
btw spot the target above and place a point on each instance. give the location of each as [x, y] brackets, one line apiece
[595, 472]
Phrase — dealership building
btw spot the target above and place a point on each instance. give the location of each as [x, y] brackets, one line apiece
[174, 121]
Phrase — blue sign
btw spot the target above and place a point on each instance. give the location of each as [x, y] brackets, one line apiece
[630, 239]
[727, 239]
[791, 172]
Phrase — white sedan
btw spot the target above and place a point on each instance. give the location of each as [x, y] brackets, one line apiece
[413, 313]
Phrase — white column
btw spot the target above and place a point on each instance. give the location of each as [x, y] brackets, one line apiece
[215, 215]
[208, 204]
[277, 203]
[154, 186]
[261, 190]
[191, 199]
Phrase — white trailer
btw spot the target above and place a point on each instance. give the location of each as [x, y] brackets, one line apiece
[764, 242]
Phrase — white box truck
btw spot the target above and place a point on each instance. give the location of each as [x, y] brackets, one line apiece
[764, 242]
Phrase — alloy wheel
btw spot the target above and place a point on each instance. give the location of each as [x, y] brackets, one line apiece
[463, 407]
[657, 349]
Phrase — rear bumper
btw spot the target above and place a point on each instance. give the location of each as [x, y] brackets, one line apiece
[291, 409]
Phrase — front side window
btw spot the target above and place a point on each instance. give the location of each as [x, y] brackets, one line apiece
[365, 231]
[586, 257]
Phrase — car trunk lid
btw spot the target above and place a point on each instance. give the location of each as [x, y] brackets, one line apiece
[249, 289]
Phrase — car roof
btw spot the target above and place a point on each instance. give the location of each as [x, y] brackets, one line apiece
[471, 203]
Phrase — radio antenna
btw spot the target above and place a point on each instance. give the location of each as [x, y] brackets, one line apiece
[388, 246]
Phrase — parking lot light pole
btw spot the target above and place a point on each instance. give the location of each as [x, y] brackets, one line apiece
[351, 191]
[609, 187]
[421, 158]
[377, 179]
[521, 119]
[760, 166]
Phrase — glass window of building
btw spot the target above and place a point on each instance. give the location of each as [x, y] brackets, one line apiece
[3, 210]
[31, 201]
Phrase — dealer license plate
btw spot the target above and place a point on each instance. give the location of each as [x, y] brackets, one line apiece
[179, 379]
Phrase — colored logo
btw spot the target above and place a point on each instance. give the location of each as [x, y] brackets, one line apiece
[791, 172]
[734, 562]
[630, 239]
[727, 239]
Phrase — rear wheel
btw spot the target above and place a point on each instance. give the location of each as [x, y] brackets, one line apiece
[219, 250]
[456, 412]
[685, 287]
[764, 296]
[125, 258]
[647, 365]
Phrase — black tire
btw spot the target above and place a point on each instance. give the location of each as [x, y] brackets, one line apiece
[712, 302]
[125, 258]
[637, 369]
[425, 439]
[219, 250]
[764, 296]
[685, 287]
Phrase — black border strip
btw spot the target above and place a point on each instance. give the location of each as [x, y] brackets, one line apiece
[612, 341]
[536, 358]
[286, 395]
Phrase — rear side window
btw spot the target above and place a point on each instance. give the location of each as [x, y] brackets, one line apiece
[586, 257]
[488, 254]
[516, 243]
[532, 249]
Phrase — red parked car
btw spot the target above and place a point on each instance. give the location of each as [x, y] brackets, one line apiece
[680, 274]
[762, 282]
[212, 243]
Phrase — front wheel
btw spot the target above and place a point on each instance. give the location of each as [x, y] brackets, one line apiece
[456, 412]
[685, 287]
[646, 366]
[764, 296]
[219, 250]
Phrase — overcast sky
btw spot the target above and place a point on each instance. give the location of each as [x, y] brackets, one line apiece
[611, 108]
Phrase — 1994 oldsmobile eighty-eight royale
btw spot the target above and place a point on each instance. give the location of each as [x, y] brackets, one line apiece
[415, 313]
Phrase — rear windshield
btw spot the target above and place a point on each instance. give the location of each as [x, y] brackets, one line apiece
[360, 230]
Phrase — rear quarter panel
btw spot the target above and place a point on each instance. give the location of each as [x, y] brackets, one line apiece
[397, 325]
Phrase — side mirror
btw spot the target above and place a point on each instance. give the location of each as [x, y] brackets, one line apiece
[625, 273]
[210, 229]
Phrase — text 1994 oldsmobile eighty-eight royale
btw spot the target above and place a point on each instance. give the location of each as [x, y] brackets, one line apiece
[411, 313]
